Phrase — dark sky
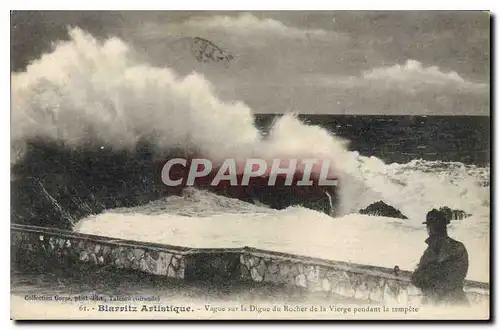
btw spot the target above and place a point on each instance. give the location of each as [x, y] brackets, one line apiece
[310, 62]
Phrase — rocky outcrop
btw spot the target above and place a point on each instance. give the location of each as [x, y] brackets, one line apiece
[383, 210]
[278, 195]
[454, 214]
[56, 185]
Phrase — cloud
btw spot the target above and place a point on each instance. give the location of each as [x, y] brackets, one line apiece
[245, 24]
[410, 78]
[249, 24]
[413, 74]
[411, 88]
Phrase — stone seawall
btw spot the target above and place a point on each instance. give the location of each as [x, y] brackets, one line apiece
[356, 281]
[48, 247]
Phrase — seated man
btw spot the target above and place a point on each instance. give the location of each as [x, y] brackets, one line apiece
[442, 269]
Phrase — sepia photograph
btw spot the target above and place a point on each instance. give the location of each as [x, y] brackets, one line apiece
[250, 165]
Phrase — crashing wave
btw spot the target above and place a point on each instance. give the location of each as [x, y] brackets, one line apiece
[89, 123]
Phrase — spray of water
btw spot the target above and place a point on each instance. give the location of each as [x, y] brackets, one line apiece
[87, 92]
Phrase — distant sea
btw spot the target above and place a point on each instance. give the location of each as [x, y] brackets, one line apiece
[400, 139]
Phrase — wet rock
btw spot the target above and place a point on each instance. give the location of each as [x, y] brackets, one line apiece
[383, 210]
[454, 214]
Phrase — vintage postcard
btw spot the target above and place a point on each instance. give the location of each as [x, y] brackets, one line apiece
[261, 165]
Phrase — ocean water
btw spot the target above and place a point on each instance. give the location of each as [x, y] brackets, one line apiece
[87, 120]
[401, 139]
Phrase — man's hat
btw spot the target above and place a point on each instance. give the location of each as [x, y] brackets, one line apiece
[436, 218]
